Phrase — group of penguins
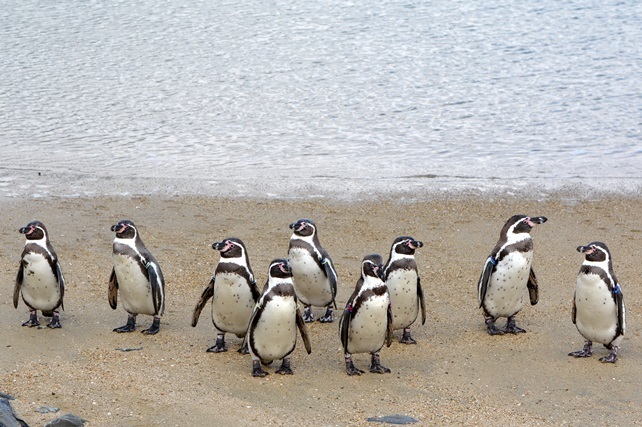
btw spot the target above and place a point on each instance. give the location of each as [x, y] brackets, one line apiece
[387, 297]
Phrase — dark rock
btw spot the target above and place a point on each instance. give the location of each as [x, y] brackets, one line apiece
[8, 418]
[393, 419]
[47, 409]
[67, 420]
[7, 396]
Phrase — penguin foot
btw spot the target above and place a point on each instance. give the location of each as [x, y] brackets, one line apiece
[307, 315]
[406, 338]
[33, 320]
[216, 348]
[611, 358]
[376, 367]
[285, 368]
[153, 330]
[494, 330]
[129, 327]
[350, 368]
[327, 317]
[244, 348]
[587, 351]
[257, 371]
[512, 328]
[55, 322]
[219, 347]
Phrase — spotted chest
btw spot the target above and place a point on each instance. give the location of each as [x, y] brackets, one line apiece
[596, 312]
[134, 288]
[402, 286]
[40, 289]
[369, 324]
[507, 290]
[311, 284]
[273, 335]
[232, 304]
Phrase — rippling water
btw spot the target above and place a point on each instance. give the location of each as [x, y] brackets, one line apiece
[303, 99]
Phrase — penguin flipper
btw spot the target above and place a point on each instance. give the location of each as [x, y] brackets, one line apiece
[482, 286]
[574, 311]
[619, 299]
[16, 289]
[304, 331]
[112, 293]
[344, 327]
[254, 289]
[61, 284]
[533, 289]
[157, 288]
[207, 293]
[422, 303]
[389, 327]
[331, 273]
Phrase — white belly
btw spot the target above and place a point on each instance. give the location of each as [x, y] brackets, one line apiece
[402, 286]
[274, 336]
[311, 285]
[134, 288]
[368, 327]
[596, 315]
[507, 289]
[39, 289]
[232, 304]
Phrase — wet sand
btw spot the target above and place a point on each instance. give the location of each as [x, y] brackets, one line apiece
[455, 375]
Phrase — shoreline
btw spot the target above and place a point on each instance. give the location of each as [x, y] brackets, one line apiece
[456, 374]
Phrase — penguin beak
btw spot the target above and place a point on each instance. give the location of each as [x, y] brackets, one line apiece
[537, 220]
[26, 230]
[416, 244]
[285, 267]
[217, 246]
[292, 226]
[585, 249]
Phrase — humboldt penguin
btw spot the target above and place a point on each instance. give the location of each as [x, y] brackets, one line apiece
[40, 280]
[138, 278]
[507, 275]
[234, 294]
[314, 275]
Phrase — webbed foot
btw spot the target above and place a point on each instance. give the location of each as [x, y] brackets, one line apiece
[586, 351]
[219, 347]
[257, 371]
[376, 367]
[129, 327]
[244, 348]
[307, 314]
[55, 322]
[512, 328]
[33, 320]
[406, 338]
[153, 330]
[327, 317]
[612, 357]
[285, 368]
[350, 368]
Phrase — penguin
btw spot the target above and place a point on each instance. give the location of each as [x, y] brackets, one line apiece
[314, 275]
[366, 322]
[404, 285]
[234, 294]
[273, 327]
[598, 303]
[507, 274]
[40, 279]
[137, 276]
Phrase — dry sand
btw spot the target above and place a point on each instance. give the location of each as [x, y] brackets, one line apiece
[456, 375]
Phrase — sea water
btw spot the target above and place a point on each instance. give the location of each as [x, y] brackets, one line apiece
[300, 99]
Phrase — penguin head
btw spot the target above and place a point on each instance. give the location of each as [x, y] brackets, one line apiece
[303, 227]
[35, 230]
[280, 268]
[595, 251]
[406, 245]
[522, 223]
[230, 248]
[372, 265]
[124, 229]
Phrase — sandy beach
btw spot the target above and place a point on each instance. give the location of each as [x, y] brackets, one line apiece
[456, 375]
